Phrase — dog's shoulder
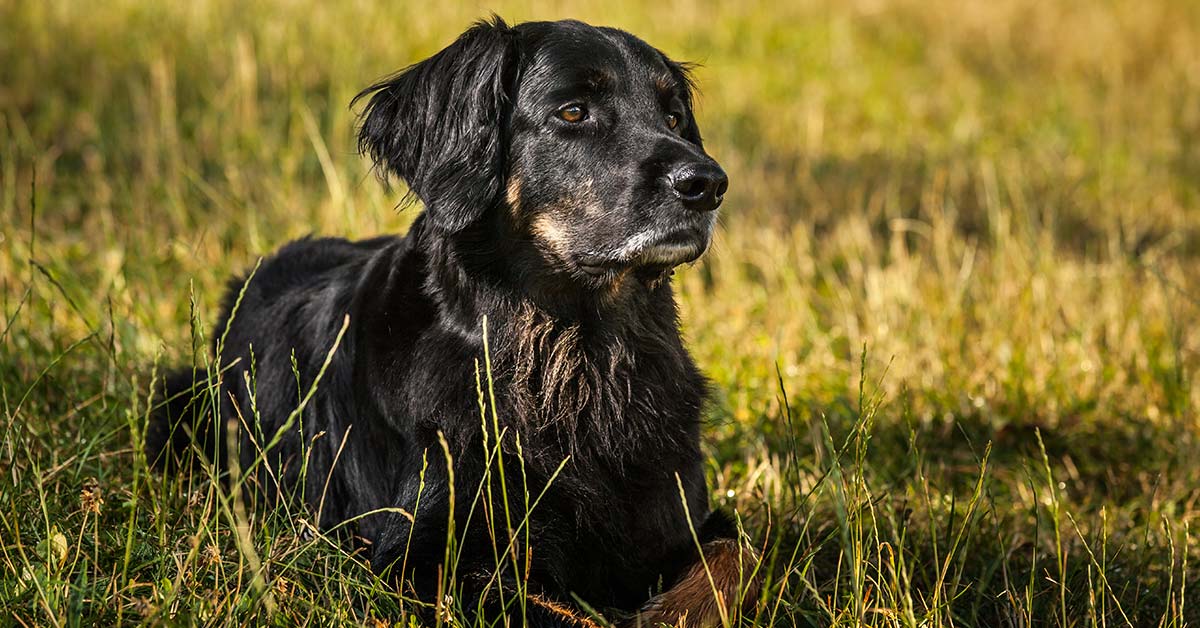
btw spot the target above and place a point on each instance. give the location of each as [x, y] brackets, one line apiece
[301, 261]
[299, 295]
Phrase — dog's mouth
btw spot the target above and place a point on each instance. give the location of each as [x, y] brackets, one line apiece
[649, 252]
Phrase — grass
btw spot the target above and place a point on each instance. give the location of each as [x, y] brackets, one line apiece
[952, 317]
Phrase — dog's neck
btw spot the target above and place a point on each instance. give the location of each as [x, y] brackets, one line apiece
[483, 272]
[569, 371]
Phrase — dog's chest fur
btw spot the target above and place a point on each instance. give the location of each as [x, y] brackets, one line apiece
[600, 394]
[610, 390]
[622, 408]
[617, 398]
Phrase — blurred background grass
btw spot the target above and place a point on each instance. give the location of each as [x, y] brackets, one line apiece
[950, 224]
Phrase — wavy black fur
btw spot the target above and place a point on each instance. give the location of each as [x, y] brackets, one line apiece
[534, 223]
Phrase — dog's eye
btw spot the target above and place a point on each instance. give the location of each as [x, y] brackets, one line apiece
[573, 113]
[672, 120]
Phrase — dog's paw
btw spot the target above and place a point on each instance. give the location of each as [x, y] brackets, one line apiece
[706, 597]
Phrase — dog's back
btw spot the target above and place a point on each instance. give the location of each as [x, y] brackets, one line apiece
[288, 308]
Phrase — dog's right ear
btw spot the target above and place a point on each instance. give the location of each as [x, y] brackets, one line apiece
[438, 124]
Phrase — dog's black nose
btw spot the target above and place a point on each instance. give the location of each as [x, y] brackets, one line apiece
[701, 186]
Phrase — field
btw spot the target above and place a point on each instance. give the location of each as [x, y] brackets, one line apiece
[952, 316]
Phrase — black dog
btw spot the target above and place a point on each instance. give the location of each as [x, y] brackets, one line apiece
[563, 177]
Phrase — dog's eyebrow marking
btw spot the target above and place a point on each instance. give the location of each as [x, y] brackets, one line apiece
[666, 85]
[599, 78]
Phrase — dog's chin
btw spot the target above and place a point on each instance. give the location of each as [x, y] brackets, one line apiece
[670, 254]
[650, 257]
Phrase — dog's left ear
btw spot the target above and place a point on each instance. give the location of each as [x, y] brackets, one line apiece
[438, 125]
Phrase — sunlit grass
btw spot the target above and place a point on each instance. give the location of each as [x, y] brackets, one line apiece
[952, 316]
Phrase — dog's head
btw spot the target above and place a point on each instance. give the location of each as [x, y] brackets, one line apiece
[575, 141]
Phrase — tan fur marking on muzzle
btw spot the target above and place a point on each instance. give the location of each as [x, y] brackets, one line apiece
[549, 230]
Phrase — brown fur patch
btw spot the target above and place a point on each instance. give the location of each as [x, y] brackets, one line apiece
[512, 194]
[697, 602]
[553, 222]
[550, 231]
